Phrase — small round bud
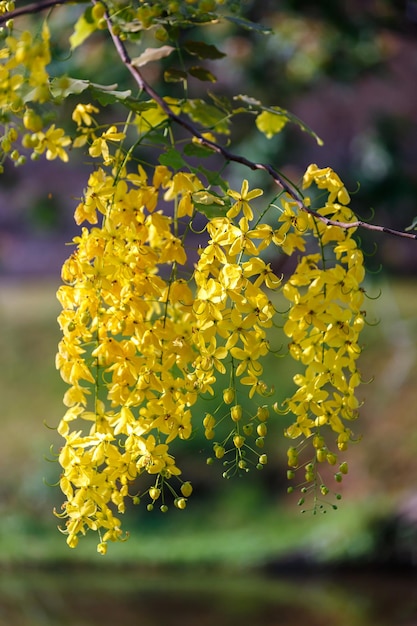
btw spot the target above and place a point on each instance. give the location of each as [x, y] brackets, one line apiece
[228, 395]
[262, 429]
[149, 507]
[154, 493]
[186, 489]
[331, 458]
[236, 412]
[263, 459]
[163, 508]
[219, 451]
[238, 441]
[343, 467]
[260, 442]
[209, 421]
[262, 413]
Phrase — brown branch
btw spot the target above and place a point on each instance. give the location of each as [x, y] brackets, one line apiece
[291, 190]
[35, 7]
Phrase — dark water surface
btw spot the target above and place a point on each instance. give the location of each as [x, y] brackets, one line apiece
[122, 597]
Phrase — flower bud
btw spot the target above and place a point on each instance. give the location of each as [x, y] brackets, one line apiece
[236, 412]
[186, 489]
[228, 395]
[262, 413]
[238, 441]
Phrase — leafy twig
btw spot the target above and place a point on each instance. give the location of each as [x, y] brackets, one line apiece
[35, 7]
[290, 189]
[230, 156]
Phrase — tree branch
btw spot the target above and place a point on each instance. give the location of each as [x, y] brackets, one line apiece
[291, 190]
[35, 7]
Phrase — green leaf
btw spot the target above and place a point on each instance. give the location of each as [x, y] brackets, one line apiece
[174, 76]
[83, 28]
[108, 94]
[248, 25]
[202, 74]
[137, 106]
[215, 180]
[207, 115]
[197, 150]
[203, 50]
[221, 102]
[152, 54]
[210, 204]
[172, 158]
[271, 123]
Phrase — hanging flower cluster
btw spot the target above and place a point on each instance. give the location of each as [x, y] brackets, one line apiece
[146, 331]
[324, 322]
[140, 346]
[144, 336]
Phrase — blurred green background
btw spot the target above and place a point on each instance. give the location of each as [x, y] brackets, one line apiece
[349, 71]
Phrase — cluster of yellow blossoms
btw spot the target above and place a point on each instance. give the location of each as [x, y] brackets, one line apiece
[145, 335]
[148, 329]
[140, 345]
[24, 85]
[324, 322]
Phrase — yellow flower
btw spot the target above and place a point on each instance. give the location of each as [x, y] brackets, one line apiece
[242, 201]
[82, 114]
[53, 141]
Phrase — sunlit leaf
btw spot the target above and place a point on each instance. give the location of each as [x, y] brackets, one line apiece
[270, 123]
[152, 54]
[83, 28]
[64, 86]
[108, 94]
[252, 102]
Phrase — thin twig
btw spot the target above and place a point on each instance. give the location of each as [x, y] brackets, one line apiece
[35, 7]
[290, 189]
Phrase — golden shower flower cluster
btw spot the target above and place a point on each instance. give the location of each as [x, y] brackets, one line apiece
[324, 324]
[143, 339]
[145, 335]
